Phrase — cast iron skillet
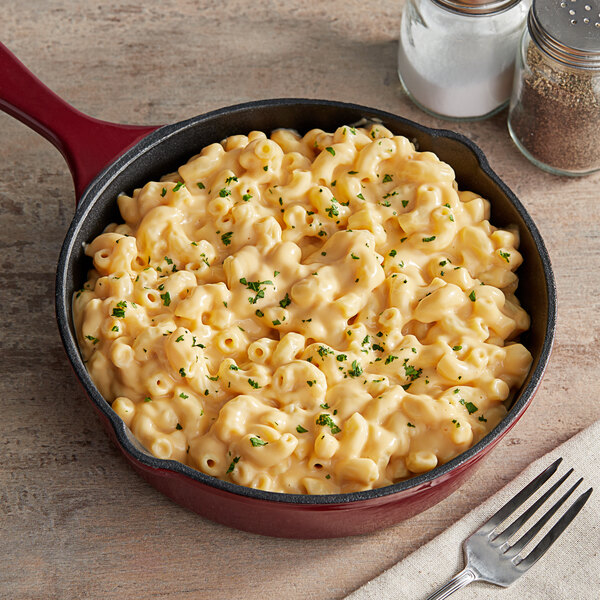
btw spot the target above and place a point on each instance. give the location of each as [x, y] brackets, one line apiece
[106, 159]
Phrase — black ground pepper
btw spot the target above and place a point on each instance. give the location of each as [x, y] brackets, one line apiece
[556, 117]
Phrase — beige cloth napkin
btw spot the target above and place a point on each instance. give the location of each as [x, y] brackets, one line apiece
[570, 569]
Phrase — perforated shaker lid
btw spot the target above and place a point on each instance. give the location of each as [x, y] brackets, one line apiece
[568, 30]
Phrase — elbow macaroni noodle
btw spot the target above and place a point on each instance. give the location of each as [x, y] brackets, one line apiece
[316, 314]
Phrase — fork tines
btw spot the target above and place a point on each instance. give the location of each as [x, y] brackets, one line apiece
[501, 539]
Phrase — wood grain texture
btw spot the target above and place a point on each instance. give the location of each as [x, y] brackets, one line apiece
[76, 522]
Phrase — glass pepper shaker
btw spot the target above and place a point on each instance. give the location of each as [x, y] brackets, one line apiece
[554, 116]
[456, 57]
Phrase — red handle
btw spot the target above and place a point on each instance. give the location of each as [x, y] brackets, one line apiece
[87, 144]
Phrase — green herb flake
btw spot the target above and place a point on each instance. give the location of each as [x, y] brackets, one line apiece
[285, 302]
[178, 427]
[323, 351]
[164, 192]
[390, 359]
[341, 357]
[256, 442]
[266, 168]
[354, 256]
[200, 185]
[253, 384]
[429, 239]
[184, 396]
[178, 186]
[115, 328]
[234, 462]
[301, 429]
[226, 238]
[360, 196]
[356, 370]
[504, 255]
[330, 150]
[483, 419]
[166, 298]
[147, 399]
[409, 424]
[472, 297]
[387, 178]
[456, 348]
[393, 253]
[470, 407]
[325, 420]
[92, 339]
[259, 313]
[233, 368]
[182, 372]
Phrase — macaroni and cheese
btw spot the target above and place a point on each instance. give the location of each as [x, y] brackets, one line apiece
[305, 314]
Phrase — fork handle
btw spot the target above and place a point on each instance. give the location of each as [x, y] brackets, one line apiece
[465, 577]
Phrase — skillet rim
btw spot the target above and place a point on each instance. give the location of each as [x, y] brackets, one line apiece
[128, 444]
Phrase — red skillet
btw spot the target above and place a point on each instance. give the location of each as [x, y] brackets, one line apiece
[107, 158]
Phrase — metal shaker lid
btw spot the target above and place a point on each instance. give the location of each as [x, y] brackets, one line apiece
[568, 30]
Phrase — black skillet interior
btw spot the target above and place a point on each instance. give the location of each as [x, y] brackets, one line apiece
[171, 146]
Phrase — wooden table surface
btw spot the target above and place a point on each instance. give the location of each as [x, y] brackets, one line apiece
[76, 521]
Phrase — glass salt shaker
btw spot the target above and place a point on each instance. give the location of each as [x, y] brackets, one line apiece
[554, 116]
[456, 57]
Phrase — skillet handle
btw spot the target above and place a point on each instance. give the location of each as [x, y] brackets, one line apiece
[87, 144]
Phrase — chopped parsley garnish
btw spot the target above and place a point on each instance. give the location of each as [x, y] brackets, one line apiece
[409, 424]
[259, 313]
[365, 340]
[404, 203]
[178, 186]
[184, 396]
[429, 239]
[410, 371]
[115, 328]
[356, 370]
[226, 238]
[354, 256]
[386, 178]
[472, 297]
[233, 368]
[200, 185]
[234, 462]
[456, 423]
[179, 339]
[504, 255]
[352, 172]
[257, 442]
[119, 311]
[253, 384]
[276, 322]
[456, 348]
[341, 357]
[377, 347]
[483, 419]
[230, 179]
[266, 168]
[92, 339]
[246, 197]
[332, 211]
[326, 421]
[360, 196]
[178, 427]
[164, 192]
[285, 302]
[215, 378]
[325, 405]
[470, 407]
[224, 193]
[323, 351]
[148, 399]
[301, 429]
[166, 298]
[255, 286]
[390, 359]
[393, 253]
[182, 372]
[330, 150]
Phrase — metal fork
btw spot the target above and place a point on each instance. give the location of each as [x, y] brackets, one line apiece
[489, 556]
